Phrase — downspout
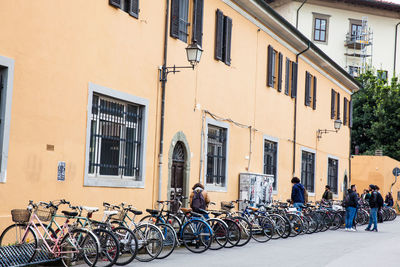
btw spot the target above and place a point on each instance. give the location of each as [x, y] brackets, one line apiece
[395, 49]
[163, 85]
[297, 13]
[295, 111]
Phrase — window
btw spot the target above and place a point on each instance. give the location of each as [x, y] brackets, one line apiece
[275, 65]
[223, 37]
[354, 71]
[307, 170]
[6, 86]
[335, 105]
[216, 156]
[310, 91]
[129, 6]
[382, 75]
[320, 28]
[291, 78]
[116, 135]
[270, 160]
[333, 174]
[180, 20]
[356, 30]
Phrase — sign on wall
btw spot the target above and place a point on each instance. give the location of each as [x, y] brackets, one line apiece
[61, 171]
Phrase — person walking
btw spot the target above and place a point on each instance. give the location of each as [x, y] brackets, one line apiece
[389, 200]
[351, 207]
[297, 197]
[327, 196]
[373, 204]
[199, 199]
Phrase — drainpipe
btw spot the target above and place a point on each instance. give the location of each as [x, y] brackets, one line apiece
[395, 50]
[163, 85]
[297, 13]
[295, 111]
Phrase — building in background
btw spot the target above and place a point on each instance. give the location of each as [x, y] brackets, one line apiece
[82, 97]
[356, 34]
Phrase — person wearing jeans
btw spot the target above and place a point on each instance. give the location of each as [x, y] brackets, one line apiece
[373, 215]
[351, 208]
[297, 197]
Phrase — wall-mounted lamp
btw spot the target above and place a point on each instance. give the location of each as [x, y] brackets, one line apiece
[337, 124]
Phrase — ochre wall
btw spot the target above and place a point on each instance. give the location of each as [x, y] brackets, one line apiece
[61, 46]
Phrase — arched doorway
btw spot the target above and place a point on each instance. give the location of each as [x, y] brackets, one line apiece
[345, 186]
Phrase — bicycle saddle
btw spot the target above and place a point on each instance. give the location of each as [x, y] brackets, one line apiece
[195, 214]
[186, 210]
[253, 209]
[216, 213]
[70, 213]
[201, 211]
[110, 212]
[90, 209]
[153, 212]
[136, 212]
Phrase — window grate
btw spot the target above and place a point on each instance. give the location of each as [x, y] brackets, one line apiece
[270, 159]
[115, 138]
[307, 170]
[333, 174]
[216, 156]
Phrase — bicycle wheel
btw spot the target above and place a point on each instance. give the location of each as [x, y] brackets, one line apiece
[18, 235]
[196, 236]
[150, 242]
[280, 225]
[149, 219]
[312, 225]
[336, 221]
[296, 224]
[219, 233]
[169, 241]
[245, 230]
[109, 247]
[128, 245]
[175, 222]
[263, 229]
[78, 244]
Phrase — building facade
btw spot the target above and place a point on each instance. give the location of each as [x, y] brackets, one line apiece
[83, 91]
[356, 34]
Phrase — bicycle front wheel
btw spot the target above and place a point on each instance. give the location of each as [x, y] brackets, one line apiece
[20, 236]
[245, 230]
[109, 247]
[196, 236]
[150, 242]
[128, 245]
[263, 229]
[169, 241]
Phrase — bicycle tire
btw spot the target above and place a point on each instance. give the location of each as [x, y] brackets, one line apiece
[234, 233]
[219, 233]
[14, 233]
[280, 225]
[264, 230]
[198, 233]
[109, 247]
[150, 242]
[245, 230]
[175, 222]
[169, 241]
[128, 245]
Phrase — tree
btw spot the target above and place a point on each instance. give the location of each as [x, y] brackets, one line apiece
[376, 116]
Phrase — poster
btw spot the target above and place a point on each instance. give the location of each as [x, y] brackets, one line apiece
[256, 188]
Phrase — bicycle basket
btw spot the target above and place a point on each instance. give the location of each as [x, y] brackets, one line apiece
[119, 216]
[20, 215]
[226, 205]
[45, 214]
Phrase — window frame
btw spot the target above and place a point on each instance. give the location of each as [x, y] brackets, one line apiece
[108, 180]
[7, 65]
[226, 126]
[308, 150]
[276, 141]
[337, 174]
[320, 17]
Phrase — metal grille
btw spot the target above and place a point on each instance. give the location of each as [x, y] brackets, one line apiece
[307, 170]
[115, 138]
[333, 175]
[270, 159]
[216, 156]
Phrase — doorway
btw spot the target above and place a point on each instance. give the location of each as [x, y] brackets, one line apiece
[177, 189]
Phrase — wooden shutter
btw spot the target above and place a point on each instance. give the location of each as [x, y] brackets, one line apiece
[227, 40]
[351, 114]
[287, 76]
[294, 79]
[280, 63]
[314, 104]
[115, 3]
[345, 103]
[134, 8]
[219, 31]
[333, 106]
[307, 98]
[338, 107]
[270, 80]
[198, 8]
[174, 31]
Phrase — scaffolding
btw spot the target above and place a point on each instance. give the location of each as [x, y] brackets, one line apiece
[359, 44]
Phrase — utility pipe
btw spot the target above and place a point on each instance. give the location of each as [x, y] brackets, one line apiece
[297, 13]
[395, 49]
[295, 111]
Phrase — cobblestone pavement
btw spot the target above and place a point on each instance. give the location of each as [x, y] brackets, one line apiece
[332, 248]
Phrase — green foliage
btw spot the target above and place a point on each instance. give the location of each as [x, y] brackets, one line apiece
[376, 116]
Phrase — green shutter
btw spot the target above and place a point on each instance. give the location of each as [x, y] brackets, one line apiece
[174, 31]
[280, 63]
[315, 93]
[219, 34]
[115, 3]
[198, 8]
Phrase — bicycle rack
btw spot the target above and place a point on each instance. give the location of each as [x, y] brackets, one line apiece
[17, 256]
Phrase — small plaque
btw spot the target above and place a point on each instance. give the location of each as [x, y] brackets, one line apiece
[61, 171]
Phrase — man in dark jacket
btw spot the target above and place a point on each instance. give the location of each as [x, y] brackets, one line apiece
[351, 208]
[373, 204]
[327, 196]
[297, 197]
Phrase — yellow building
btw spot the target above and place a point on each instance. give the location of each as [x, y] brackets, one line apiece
[81, 92]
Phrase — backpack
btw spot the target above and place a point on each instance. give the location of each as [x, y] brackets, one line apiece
[346, 200]
[198, 201]
[379, 200]
[305, 193]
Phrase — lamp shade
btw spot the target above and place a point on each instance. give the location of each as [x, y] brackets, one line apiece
[337, 124]
[193, 52]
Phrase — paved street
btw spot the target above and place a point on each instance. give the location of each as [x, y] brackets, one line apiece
[332, 248]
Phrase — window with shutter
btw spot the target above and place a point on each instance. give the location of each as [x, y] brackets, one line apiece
[307, 98]
[345, 104]
[315, 93]
[219, 34]
[179, 19]
[280, 63]
[287, 77]
[271, 67]
[333, 106]
[134, 8]
[338, 107]
[174, 31]
[115, 3]
[294, 80]
[198, 22]
[227, 40]
[351, 114]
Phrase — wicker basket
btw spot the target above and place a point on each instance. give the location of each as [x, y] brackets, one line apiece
[20, 216]
[45, 214]
[119, 216]
[226, 205]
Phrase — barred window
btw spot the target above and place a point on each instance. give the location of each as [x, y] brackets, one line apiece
[216, 156]
[333, 174]
[270, 159]
[115, 138]
[307, 170]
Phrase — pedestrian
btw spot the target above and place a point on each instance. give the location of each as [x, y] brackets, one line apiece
[351, 207]
[389, 200]
[297, 197]
[380, 204]
[373, 204]
[327, 196]
[366, 195]
[199, 199]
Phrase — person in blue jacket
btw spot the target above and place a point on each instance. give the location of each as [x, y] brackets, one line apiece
[297, 197]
